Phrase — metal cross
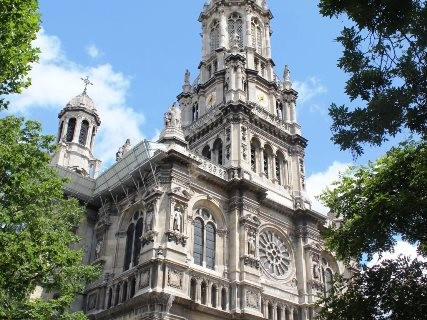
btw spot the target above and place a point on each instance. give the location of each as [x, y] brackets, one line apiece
[86, 82]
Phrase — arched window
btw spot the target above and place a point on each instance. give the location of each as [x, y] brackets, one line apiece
[266, 163]
[137, 241]
[206, 152]
[132, 287]
[203, 292]
[224, 299]
[70, 129]
[84, 129]
[198, 242]
[110, 298]
[214, 36]
[129, 242]
[193, 285]
[210, 246]
[328, 281]
[270, 311]
[255, 148]
[195, 112]
[116, 298]
[280, 168]
[61, 126]
[217, 151]
[204, 239]
[235, 26]
[256, 31]
[125, 291]
[140, 221]
[213, 296]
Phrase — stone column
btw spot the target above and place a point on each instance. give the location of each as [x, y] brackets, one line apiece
[204, 42]
[275, 311]
[261, 161]
[293, 110]
[64, 130]
[291, 313]
[248, 26]
[209, 294]
[199, 291]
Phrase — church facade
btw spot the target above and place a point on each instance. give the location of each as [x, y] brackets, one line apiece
[212, 221]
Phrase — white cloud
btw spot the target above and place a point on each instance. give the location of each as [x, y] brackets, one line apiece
[93, 51]
[319, 181]
[401, 248]
[56, 79]
[308, 89]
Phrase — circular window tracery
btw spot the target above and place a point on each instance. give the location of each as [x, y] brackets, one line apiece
[274, 254]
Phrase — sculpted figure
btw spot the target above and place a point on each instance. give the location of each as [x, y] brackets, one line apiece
[251, 245]
[177, 221]
[149, 221]
[287, 74]
[123, 150]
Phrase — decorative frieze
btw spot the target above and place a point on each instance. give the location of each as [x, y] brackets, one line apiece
[252, 300]
[145, 279]
[251, 261]
[175, 279]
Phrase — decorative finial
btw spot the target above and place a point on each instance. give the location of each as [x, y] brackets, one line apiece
[187, 77]
[87, 82]
[287, 74]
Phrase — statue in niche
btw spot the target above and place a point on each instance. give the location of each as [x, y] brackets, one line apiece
[149, 221]
[316, 271]
[251, 245]
[98, 249]
[123, 150]
[177, 220]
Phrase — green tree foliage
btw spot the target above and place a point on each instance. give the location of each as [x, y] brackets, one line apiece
[37, 228]
[19, 24]
[385, 55]
[393, 290]
[380, 201]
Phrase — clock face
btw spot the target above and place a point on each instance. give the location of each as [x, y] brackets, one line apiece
[210, 101]
[262, 99]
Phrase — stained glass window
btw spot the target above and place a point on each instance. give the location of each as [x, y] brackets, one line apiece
[137, 241]
[214, 36]
[198, 242]
[129, 242]
[235, 26]
[210, 246]
[256, 32]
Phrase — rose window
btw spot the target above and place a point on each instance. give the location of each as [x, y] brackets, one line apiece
[274, 255]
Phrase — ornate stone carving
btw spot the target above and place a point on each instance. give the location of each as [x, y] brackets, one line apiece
[91, 305]
[252, 300]
[148, 237]
[251, 261]
[145, 279]
[175, 279]
[177, 237]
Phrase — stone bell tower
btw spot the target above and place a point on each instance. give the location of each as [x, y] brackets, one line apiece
[238, 112]
[78, 125]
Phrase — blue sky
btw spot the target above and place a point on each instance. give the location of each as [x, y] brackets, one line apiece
[136, 53]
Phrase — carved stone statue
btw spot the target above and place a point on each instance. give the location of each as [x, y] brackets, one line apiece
[177, 221]
[123, 150]
[316, 271]
[173, 116]
[251, 245]
[235, 40]
[187, 77]
[287, 74]
[98, 249]
[149, 221]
